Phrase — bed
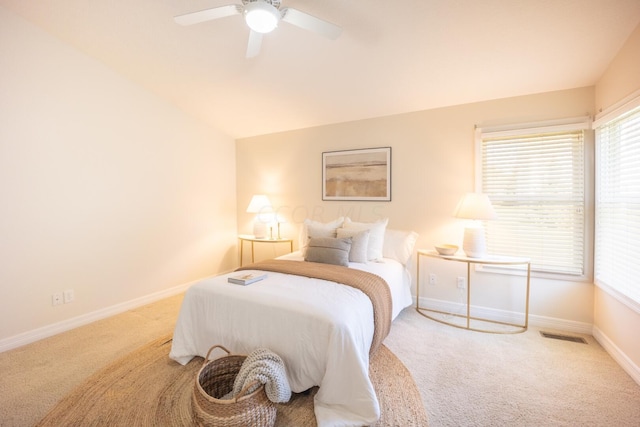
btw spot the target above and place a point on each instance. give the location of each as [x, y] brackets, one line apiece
[323, 330]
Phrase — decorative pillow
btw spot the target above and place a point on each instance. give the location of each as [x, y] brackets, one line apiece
[376, 235]
[398, 244]
[328, 250]
[312, 228]
[359, 243]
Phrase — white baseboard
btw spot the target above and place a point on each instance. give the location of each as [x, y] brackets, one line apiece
[565, 325]
[508, 316]
[66, 325]
[627, 364]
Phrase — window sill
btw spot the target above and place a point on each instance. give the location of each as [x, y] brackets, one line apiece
[511, 271]
[623, 299]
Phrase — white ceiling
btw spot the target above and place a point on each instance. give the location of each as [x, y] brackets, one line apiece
[392, 57]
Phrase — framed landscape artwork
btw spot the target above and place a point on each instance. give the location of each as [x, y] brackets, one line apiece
[363, 174]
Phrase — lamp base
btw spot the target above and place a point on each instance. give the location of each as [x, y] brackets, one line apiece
[259, 229]
[474, 245]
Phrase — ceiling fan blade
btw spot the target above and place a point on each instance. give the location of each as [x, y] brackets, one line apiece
[255, 41]
[208, 14]
[311, 23]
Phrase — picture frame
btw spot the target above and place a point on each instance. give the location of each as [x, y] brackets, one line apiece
[357, 175]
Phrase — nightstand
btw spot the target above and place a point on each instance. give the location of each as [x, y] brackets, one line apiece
[495, 260]
[252, 239]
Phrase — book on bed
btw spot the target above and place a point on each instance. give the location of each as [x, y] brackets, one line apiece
[246, 278]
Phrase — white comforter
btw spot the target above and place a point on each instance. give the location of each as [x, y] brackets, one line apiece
[321, 329]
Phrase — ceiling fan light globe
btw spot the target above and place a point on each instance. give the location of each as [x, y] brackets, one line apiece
[261, 16]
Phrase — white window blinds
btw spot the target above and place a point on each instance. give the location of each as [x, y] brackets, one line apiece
[618, 204]
[535, 180]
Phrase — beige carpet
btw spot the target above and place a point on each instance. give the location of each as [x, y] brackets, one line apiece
[33, 378]
[476, 379]
[465, 378]
[146, 388]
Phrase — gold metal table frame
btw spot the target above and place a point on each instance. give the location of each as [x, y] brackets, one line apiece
[252, 239]
[488, 260]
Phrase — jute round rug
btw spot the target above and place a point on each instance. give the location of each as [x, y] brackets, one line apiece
[146, 388]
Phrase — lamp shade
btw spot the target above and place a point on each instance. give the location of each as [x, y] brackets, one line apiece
[261, 17]
[475, 206]
[259, 203]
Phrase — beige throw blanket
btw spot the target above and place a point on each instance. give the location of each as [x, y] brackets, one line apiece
[372, 285]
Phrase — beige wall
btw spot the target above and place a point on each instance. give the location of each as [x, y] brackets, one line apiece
[105, 188]
[615, 324]
[622, 77]
[432, 166]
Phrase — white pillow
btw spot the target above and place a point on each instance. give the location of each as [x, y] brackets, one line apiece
[398, 244]
[359, 243]
[376, 235]
[312, 228]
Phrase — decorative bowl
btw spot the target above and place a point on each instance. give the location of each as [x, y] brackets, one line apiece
[446, 249]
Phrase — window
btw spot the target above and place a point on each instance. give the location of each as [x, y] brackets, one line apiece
[536, 182]
[618, 203]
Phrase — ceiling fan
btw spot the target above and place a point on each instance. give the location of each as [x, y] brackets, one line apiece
[262, 17]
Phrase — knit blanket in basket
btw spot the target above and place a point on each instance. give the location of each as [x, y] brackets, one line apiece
[265, 367]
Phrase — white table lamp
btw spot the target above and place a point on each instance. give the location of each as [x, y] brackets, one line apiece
[475, 207]
[261, 206]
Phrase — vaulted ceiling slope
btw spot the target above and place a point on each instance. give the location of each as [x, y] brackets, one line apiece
[392, 57]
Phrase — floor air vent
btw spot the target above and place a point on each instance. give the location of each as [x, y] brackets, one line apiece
[563, 337]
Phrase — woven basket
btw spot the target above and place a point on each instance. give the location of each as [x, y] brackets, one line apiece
[214, 380]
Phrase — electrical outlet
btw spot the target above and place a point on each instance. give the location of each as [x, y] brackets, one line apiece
[56, 299]
[433, 279]
[69, 296]
[461, 282]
